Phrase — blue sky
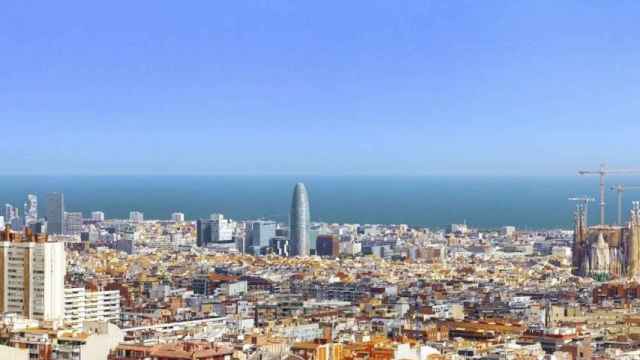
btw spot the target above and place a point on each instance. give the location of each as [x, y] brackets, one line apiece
[318, 87]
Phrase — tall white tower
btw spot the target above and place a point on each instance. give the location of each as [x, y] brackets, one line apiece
[32, 272]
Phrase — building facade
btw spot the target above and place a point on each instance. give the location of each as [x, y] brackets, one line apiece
[605, 251]
[258, 235]
[215, 231]
[32, 271]
[81, 305]
[328, 245]
[72, 223]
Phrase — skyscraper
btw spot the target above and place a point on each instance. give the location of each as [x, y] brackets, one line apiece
[299, 221]
[55, 213]
[11, 216]
[31, 210]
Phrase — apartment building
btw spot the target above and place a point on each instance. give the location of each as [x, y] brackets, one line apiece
[81, 305]
[32, 271]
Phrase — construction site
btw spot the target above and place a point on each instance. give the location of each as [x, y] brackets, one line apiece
[606, 251]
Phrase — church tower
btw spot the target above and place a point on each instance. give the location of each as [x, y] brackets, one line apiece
[579, 238]
[634, 241]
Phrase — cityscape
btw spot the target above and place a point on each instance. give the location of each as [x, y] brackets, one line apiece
[330, 180]
[86, 286]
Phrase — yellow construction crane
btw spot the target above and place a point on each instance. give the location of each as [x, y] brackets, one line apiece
[602, 172]
[620, 189]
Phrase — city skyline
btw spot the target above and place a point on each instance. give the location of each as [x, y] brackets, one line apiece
[422, 88]
[359, 180]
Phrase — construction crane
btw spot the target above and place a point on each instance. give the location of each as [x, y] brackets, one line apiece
[602, 172]
[584, 201]
[620, 189]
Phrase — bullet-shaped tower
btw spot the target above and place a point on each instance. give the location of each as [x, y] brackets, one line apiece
[299, 222]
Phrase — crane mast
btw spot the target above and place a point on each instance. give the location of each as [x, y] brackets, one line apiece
[602, 172]
[620, 189]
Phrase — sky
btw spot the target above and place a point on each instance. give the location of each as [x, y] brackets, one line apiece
[319, 87]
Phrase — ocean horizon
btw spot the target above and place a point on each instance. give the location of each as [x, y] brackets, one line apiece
[528, 202]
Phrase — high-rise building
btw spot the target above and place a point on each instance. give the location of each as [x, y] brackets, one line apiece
[136, 216]
[203, 232]
[55, 213]
[31, 210]
[12, 217]
[299, 222]
[97, 216]
[215, 231]
[258, 234]
[32, 271]
[72, 223]
[177, 217]
[328, 245]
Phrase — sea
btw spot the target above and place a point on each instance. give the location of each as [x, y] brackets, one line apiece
[485, 202]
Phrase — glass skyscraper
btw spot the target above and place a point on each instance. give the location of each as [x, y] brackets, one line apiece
[299, 222]
[55, 213]
[31, 210]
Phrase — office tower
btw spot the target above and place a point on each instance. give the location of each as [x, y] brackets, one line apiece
[328, 245]
[215, 231]
[177, 217]
[31, 210]
[136, 216]
[12, 217]
[72, 223]
[299, 221]
[32, 271]
[97, 216]
[203, 232]
[55, 213]
[258, 234]
[222, 229]
[2, 223]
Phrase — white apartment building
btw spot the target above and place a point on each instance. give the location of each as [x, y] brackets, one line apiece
[177, 217]
[221, 228]
[81, 305]
[32, 271]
